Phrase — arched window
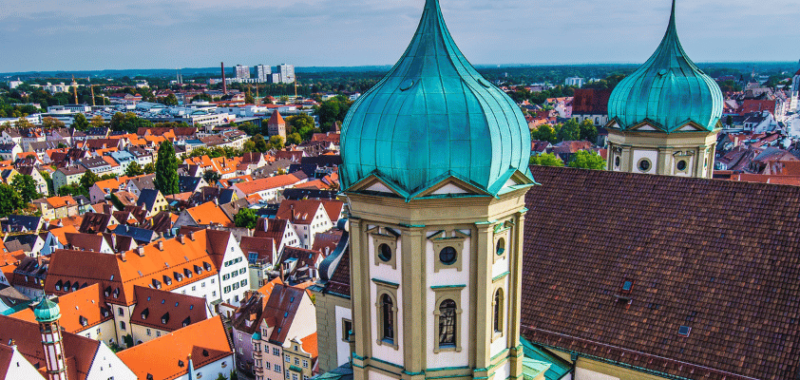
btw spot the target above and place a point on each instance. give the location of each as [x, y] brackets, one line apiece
[498, 311]
[447, 323]
[387, 309]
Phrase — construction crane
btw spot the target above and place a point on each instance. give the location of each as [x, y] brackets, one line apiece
[93, 103]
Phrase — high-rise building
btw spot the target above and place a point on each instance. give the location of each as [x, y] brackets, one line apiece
[242, 72]
[664, 118]
[436, 182]
[287, 73]
[263, 73]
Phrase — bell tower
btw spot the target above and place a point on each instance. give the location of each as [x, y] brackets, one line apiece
[47, 315]
[435, 168]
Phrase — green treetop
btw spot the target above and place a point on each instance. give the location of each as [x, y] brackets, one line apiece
[587, 160]
[167, 169]
[25, 186]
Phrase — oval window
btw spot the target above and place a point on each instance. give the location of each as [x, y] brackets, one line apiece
[384, 252]
[682, 165]
[448, 256]
[501, 246]
[644, 165]
[616, 162]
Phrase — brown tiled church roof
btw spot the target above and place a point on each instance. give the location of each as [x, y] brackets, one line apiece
[713, 269]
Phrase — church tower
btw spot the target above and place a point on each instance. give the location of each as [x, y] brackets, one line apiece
[47, 315]
[664, 118]
[435, 168]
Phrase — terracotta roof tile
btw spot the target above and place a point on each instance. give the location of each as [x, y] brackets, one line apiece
[719, 257]
[206, 342]
[167, 311]
[80, 310]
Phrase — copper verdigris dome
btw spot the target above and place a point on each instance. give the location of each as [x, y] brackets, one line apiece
[434, 117]
[668, 91]
[47, 311]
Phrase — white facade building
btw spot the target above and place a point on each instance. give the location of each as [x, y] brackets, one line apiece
[263, 73]
[574, 81]
[287, 73]
[242, 72]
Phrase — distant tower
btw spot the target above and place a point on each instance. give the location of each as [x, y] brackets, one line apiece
[75, 89]
[224, 84]
[664, 118]
[47, 315]
[276, 125]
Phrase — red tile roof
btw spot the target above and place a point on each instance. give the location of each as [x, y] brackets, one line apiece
[717, 256]
[205, 342]
[167, 311]
[258, 185]
[80, 310]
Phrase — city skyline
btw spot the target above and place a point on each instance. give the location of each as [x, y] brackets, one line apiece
[145, 34]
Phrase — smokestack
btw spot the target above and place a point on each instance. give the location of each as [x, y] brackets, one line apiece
[224, 84]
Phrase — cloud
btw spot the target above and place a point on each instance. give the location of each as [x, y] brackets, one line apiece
[113, 34]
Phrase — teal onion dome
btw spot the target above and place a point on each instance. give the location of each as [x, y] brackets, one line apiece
[47, 311]
[433, 117]
[668, 92]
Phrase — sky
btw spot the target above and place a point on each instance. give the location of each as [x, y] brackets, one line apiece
[48, 35]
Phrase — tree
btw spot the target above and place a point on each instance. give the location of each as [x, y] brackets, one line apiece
[149, 168]
[50, 123]
[277, 142]
[80, 123]
[588, 131]
[211, 176]
[249, 128]
[547, 159]
[201, 98]
[544, 133]
[50, 187]
[97, 121]
[248, 99]
[294, 139]
[25, 186]
[166, 179]
[260, 143]
[587, 160]
[333, 110]
[72, 190]
[89, 179]
[134, 169]
[301, 124]
[170, 100]
[10, 200]
[246, 218]
[23, 122]
[570, 131]
[221, 377]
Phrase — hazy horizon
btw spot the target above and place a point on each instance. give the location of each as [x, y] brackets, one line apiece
[84, 35]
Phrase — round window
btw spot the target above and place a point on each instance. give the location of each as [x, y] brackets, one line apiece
[448, 256]
[644, 165]
[501, 246]
[616, 162]
[384, 252]
[682, 165]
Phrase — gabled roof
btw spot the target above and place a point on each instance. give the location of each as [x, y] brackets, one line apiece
[167, 311]
[271, 228]
[166, 357]
[80, 310]
[718, 257]
[93, 223]
[183, 259]
[263, 247]
[147, 198]
[279, 314]
[302, 211]
[267, 183]
[208, 213]
[78, 350]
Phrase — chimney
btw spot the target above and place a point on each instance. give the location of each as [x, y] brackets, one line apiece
[191, 235]
[181, 239]
[283, 267]
[122, 257]
[224, 84]
[160, 245]
[140, 250]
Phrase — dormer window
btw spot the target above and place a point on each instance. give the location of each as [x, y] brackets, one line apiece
[165, 319]
[198, 270]
[107, 292]
[187, 272]
[84, 322]
[116, 293]
[145, 313]
[58, 285]
[207, 266]
[167, 280]
[156, 284]
[66, 286]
